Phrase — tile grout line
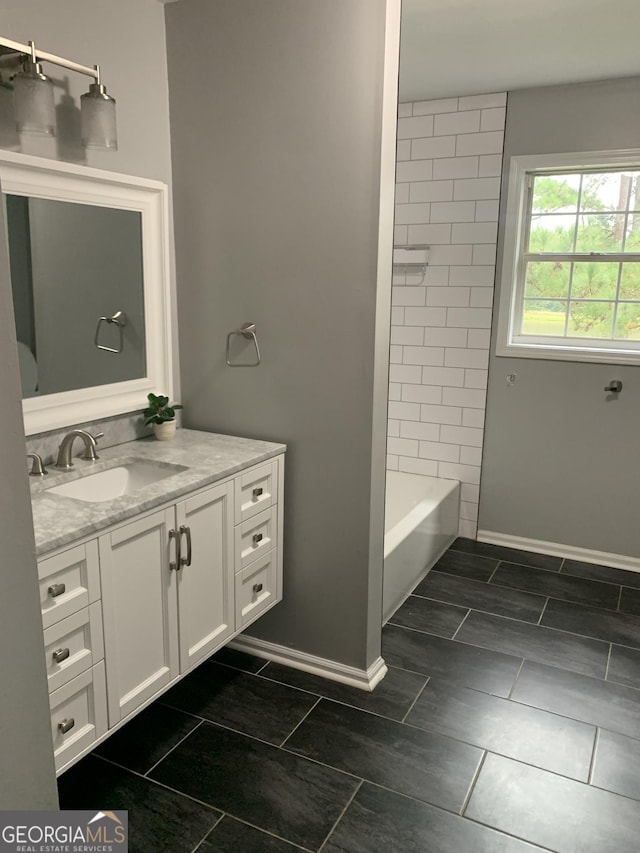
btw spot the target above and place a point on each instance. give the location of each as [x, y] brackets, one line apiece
[223, 812]
[606, 669]
[212, 660]
[263, 830]
[515, 681]
[452, 547]
[501, 651]
[563, 561]
[341, 815]
[619, 600]
[472, 784]
[507, 834]
[158, 783]
[175, 746]
[420, 692]
[208, 833]
[544, 607]
[162, 700]
[299, 723]
[343, 701]
[592, 763]
[490, 578]
[467, 614]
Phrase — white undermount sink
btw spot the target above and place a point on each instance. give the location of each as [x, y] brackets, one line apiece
[115, 482]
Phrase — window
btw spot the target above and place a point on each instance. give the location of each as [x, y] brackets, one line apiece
[571, 270]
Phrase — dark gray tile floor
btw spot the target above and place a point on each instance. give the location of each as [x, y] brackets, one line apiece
[509, 722]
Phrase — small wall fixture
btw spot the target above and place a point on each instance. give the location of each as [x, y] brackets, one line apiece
[20, 64]
[411, 260]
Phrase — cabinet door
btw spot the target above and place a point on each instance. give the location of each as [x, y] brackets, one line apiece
[140, 615]
[205, 587]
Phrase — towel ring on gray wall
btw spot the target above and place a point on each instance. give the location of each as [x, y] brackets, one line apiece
[247, 331]
[120, 320]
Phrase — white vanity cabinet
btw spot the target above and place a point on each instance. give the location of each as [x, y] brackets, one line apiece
[74, 650]
[205, 579]
[139, 612]
[129, 613]
[167, 591]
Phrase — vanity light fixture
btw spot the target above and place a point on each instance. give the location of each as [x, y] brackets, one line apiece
[33, 91]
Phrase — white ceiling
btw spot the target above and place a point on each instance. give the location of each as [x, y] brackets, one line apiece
[466, 47]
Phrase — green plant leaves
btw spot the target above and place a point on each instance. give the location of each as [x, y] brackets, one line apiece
[159, 411]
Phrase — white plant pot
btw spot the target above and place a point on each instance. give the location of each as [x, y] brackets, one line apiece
[165, 431]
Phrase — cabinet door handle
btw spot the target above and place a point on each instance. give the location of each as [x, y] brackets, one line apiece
[65, 726]
[60, 655]
[176, 564]
[56, 589]
[186, 561]
[257, 539]
[257, 492]
[257, 587]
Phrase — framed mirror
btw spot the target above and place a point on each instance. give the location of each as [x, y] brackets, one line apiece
[89, 261]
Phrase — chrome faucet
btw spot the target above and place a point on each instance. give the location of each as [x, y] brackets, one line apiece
[64, 451]
[37, 469]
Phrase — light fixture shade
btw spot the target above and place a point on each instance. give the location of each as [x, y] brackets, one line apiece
[98, 118]
[33, 93]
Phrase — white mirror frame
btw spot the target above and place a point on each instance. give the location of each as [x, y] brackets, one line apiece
[22, 174]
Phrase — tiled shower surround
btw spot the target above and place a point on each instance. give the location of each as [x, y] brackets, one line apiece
[447, 193]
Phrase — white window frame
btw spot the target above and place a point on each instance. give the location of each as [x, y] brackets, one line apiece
[512, 278]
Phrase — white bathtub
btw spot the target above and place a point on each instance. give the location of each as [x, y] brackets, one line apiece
[421, 521]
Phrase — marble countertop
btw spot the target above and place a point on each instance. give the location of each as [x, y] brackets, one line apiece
[206, 457]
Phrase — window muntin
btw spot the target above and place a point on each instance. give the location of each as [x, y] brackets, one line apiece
[578, 274]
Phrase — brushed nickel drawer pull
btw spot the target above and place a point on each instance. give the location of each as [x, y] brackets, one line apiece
[257, 492]
[257, 539]
[60, 655]
[186, 561]
[175, 565]
[257, 587]
[56, 589]
[66, 725]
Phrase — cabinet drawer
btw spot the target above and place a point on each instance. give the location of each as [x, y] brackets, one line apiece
[256, 490]
[256, 589]
[78, 714]
[68, 582]
[73, 645]
[256, 537]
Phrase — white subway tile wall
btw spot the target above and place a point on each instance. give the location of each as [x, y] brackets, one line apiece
[449, 163]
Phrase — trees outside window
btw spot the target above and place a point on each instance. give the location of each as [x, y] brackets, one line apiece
[572, 261]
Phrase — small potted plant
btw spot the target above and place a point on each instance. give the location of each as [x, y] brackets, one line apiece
[162, 416]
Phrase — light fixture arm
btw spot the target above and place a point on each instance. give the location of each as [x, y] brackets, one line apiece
[38, 55]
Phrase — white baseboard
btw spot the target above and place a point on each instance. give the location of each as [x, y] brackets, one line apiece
[569, 552]
[325, 668]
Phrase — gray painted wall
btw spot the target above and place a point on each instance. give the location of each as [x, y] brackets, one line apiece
[560, 460]
[127, 39]
[27, 779]
[276, 145]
